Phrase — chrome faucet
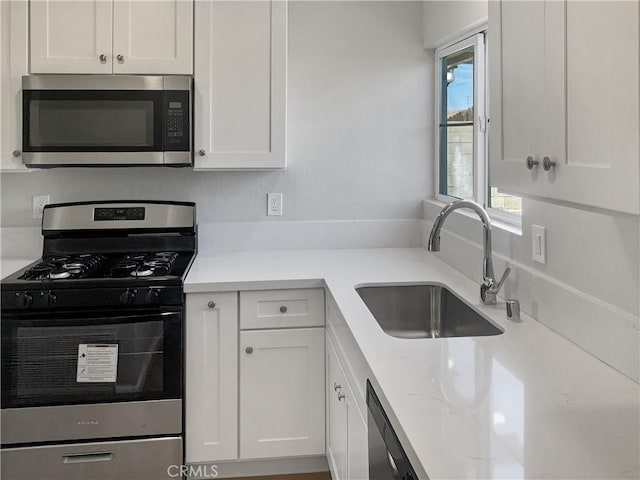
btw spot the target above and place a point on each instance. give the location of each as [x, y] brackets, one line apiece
[490, 287]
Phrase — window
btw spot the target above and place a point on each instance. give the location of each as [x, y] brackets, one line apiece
[462, 170]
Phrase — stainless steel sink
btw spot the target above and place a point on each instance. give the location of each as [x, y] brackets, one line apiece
[424, 311]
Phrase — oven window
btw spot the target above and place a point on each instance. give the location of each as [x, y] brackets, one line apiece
[92, 121]
[41, 360]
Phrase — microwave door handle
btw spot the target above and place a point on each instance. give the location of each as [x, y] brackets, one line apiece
[91, 457]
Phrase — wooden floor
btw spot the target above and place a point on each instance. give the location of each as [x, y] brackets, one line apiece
[299, 476]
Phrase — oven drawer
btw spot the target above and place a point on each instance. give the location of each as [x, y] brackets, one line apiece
[148, 459]
[282, 308]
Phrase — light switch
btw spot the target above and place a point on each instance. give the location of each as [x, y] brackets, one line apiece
[539, 244]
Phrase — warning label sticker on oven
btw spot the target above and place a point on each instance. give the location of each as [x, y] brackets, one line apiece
[97, 362]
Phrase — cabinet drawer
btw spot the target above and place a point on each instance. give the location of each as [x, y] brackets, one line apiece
[148, 459]
[282, 308]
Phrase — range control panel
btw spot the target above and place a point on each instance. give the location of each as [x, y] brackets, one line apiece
[176, 118]
[109, 214]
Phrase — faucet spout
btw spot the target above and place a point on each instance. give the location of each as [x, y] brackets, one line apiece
[490, 287]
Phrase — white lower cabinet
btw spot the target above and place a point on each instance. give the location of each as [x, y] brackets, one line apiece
[211, 386]
[347, 442]
[253, 394]
[281, 393]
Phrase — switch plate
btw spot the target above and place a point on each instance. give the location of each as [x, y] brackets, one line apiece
[539, 244]
[39, 201]
[274, 204]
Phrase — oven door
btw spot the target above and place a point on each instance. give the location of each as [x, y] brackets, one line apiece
[91, 375]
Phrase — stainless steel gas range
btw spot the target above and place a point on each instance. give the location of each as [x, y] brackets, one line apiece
[92, 338]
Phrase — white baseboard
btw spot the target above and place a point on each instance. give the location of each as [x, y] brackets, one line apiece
[275, 466]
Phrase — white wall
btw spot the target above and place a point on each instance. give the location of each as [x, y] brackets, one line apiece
[358, 113]
[589, 289]
[447, 17]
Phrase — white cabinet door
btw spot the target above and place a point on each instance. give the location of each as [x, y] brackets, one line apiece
[602, 61]
[357, 439]
[282, 393]
[13, 65]
[337, 420]
[211, 371]
[526, 89]
[71, 36]
[240, 84]
[153, 37]
[564, 85]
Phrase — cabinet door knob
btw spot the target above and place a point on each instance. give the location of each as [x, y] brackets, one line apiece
[336, 387]
[531, 162]
[341, 397]
[103, 58]
[202, 153]
[211, 304]
[120, 58]
[547, 164]
[283, 309]
[249, 350]
[16, 153]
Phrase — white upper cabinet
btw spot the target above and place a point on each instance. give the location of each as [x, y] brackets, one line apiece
[105, 36]
[564, 85]
[153, 37]
[13, 65]
[240, 84]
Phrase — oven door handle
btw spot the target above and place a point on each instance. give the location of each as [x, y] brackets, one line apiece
[88, 457]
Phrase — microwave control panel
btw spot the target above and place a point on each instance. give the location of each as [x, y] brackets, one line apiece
[177, 116]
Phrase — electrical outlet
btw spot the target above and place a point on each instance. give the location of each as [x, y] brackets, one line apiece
[274, 204]
[539, 244]
[39, 201]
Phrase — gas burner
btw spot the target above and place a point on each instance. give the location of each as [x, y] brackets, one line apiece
[58, 267]
[144, 265]
[142, 273]
[58, 274]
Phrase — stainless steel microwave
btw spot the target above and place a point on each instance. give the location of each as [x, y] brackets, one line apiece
[106, 120]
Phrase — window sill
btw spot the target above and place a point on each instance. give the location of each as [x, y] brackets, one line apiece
[514, 228]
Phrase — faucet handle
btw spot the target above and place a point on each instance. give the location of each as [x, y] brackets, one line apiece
[498, 286]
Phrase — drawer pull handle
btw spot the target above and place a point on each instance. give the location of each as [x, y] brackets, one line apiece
[249, 350]
[336, 387]
[283, 309]
[103, 58]
[341, 397]
[211, 304]
[531, 163]
[88, 457]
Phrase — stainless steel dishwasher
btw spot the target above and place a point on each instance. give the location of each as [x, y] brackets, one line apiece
[387, 458]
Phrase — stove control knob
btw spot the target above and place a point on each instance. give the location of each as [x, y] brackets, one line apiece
[127, 297]
[23, 300]
[152, 296]
[49, 298]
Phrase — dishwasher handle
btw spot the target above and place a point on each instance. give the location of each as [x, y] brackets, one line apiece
[89, 457]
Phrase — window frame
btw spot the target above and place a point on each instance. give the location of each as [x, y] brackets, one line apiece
[481, 185]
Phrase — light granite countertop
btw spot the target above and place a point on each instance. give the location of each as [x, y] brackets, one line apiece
[524, 404]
